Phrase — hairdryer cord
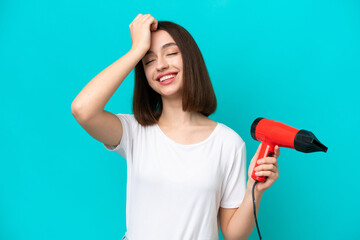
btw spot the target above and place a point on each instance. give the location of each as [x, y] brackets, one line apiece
[254, 206]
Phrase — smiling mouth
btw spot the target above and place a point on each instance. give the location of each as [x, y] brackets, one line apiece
[166, 77]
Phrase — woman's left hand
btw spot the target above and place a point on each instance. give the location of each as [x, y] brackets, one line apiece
[268, 167]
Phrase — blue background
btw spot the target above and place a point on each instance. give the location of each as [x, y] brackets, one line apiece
[292, 61]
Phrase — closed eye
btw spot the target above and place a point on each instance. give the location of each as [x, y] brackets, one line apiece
[167, 55]
[148, 62]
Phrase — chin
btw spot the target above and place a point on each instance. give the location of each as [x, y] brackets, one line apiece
[170, 93]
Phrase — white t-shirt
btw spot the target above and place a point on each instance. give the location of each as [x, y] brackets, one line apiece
[174, 191]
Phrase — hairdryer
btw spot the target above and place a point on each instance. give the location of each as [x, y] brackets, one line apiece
[272, 133]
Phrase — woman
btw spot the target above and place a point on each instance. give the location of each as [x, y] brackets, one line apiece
[186, 173]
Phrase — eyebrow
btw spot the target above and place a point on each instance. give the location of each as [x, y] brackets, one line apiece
[163, 47]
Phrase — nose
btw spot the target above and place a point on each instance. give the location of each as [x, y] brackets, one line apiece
[161, 63]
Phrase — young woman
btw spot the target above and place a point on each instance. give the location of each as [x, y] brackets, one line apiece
[186, 174]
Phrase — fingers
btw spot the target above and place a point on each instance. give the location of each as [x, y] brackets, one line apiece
[276, 151]
[267, 170]
[140, 31]
[154, 25]
[152, 22]
[268, 174]
[137, 17]
[267, 167]
[267, 160]
[146, 18]
[258, 150]
[141, 17]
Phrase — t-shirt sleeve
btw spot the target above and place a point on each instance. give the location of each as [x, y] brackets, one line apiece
[127, 121]
[235, 183]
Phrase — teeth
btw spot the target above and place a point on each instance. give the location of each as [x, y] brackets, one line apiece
[167, 77]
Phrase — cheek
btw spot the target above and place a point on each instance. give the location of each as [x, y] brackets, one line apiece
[147, 74]
[180, 63]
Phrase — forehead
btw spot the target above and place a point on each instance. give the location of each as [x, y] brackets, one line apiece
[158, 39]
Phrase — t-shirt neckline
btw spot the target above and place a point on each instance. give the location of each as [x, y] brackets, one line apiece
[188, 145]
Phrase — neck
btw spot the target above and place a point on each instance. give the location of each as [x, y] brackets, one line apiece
[173, 114]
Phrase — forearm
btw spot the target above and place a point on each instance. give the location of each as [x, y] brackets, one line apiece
[242, 223]
[94, 96]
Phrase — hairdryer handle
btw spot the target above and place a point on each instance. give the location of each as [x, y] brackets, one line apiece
[266, 150]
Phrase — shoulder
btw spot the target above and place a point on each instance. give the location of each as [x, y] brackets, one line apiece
[230, 136]
[127, 116]
[128, 120]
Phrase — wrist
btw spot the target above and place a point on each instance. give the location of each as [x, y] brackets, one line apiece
[250, 184]
[139, 51]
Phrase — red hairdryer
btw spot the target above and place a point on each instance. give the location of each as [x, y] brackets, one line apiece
[272, 133]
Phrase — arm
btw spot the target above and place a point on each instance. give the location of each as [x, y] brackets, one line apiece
[238, 223]
[93, 97]
[88, 106]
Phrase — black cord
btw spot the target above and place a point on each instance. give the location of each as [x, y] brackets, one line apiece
[253, 196]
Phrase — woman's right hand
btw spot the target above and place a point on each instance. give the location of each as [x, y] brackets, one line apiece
[140, 31]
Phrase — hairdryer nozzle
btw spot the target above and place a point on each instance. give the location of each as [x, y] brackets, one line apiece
[305, 141]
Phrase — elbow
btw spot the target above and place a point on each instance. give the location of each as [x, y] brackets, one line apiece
[77, 112]
[241, 237]
[237, 236]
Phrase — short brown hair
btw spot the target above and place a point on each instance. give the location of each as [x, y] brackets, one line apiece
[198, 94]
